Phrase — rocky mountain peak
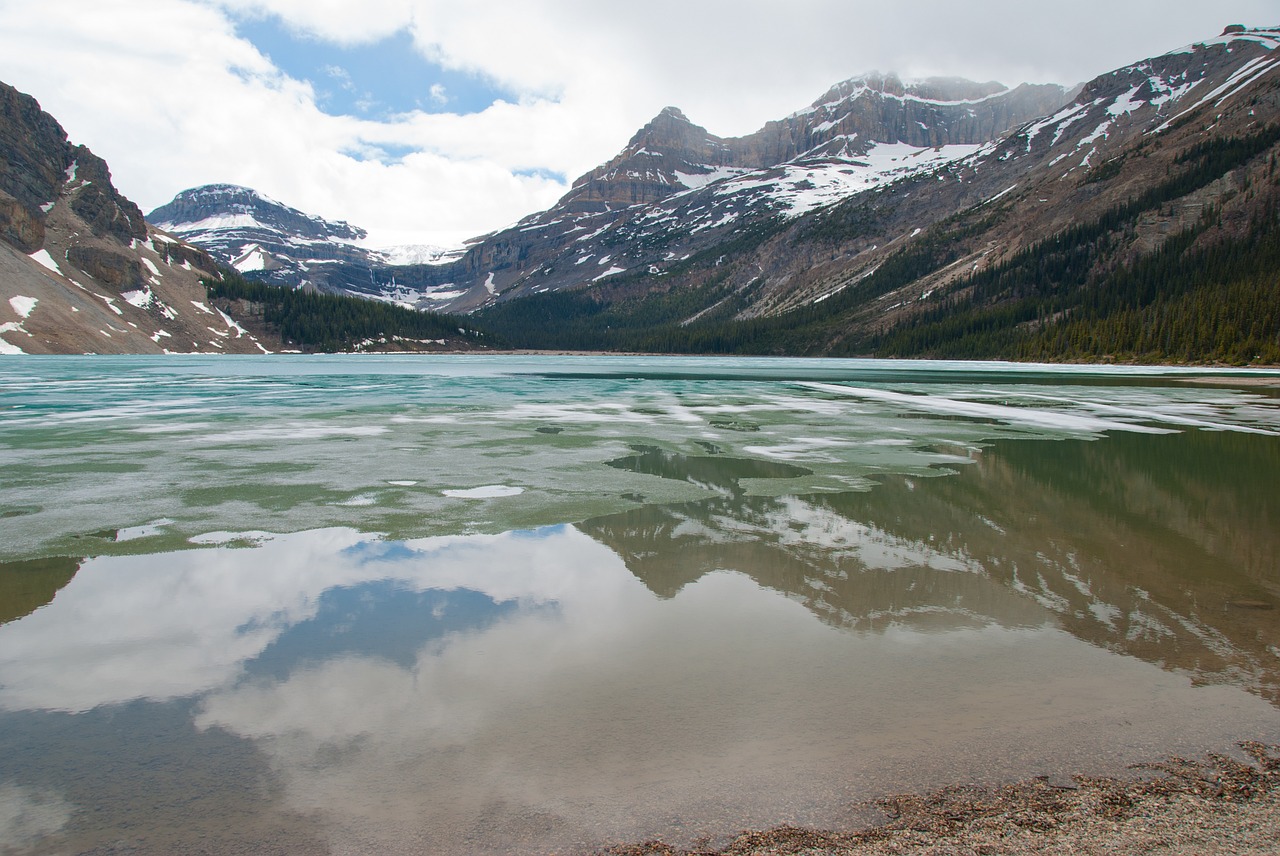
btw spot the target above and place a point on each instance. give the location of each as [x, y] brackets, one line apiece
[672, 134]
[940, 89]
[40, 166]
[222, 205]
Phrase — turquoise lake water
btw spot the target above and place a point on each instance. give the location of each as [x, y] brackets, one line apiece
[488, 604]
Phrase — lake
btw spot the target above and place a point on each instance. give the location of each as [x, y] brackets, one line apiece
[406, 604]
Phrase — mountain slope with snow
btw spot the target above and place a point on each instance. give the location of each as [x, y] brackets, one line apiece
[675, 189]
[1175, 154]
[80, 269]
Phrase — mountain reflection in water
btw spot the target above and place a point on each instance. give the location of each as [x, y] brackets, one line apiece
[1162, 548]
[1049, 606]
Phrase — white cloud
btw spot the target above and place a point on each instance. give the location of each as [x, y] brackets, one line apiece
[172, 97]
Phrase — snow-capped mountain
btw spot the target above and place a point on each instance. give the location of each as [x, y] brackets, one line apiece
[675, 188]
[275, 242]
[673, 184]
[883, 234]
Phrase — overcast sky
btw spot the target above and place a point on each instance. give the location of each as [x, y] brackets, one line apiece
[437, 120]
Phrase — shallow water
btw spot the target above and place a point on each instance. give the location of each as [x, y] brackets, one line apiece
[458, 604]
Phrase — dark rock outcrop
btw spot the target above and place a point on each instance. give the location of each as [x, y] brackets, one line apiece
[40, 166]
[36, 152]
[118, 271]
[19, 225]
[93, 197]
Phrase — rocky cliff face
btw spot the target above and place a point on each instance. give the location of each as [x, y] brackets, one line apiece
[40, 166]
[80, 270]
[671, 154]
[661, 159]
[855, 114]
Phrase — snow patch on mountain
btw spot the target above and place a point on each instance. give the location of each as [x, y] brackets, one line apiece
[1268, 37]
[694, 181]
[254, 258]
[24, 306]
[43, 258]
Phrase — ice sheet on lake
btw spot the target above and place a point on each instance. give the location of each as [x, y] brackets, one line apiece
[1050, 419]
[489, 491]
[298, 442]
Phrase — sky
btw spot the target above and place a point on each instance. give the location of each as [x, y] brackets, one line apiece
[433, 121]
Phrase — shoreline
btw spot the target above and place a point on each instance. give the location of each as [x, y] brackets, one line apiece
[1214, 806]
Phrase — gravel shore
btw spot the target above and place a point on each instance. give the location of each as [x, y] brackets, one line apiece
[1219, 805]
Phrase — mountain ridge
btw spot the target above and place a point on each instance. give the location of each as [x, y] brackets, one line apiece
[841, 279]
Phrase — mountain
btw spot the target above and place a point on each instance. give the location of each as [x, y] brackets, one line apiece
[80, 269]
[676, 190]
[673, 185]
[276, 243]
[1136, 219]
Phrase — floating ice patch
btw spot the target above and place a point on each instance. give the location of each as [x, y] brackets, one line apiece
[182, 428]
[146, 530]
[293, 431]
[999, 412]
[801, 448]
[255, 537]
[490, 491]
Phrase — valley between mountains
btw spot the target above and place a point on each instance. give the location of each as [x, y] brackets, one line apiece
[1135, 217]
